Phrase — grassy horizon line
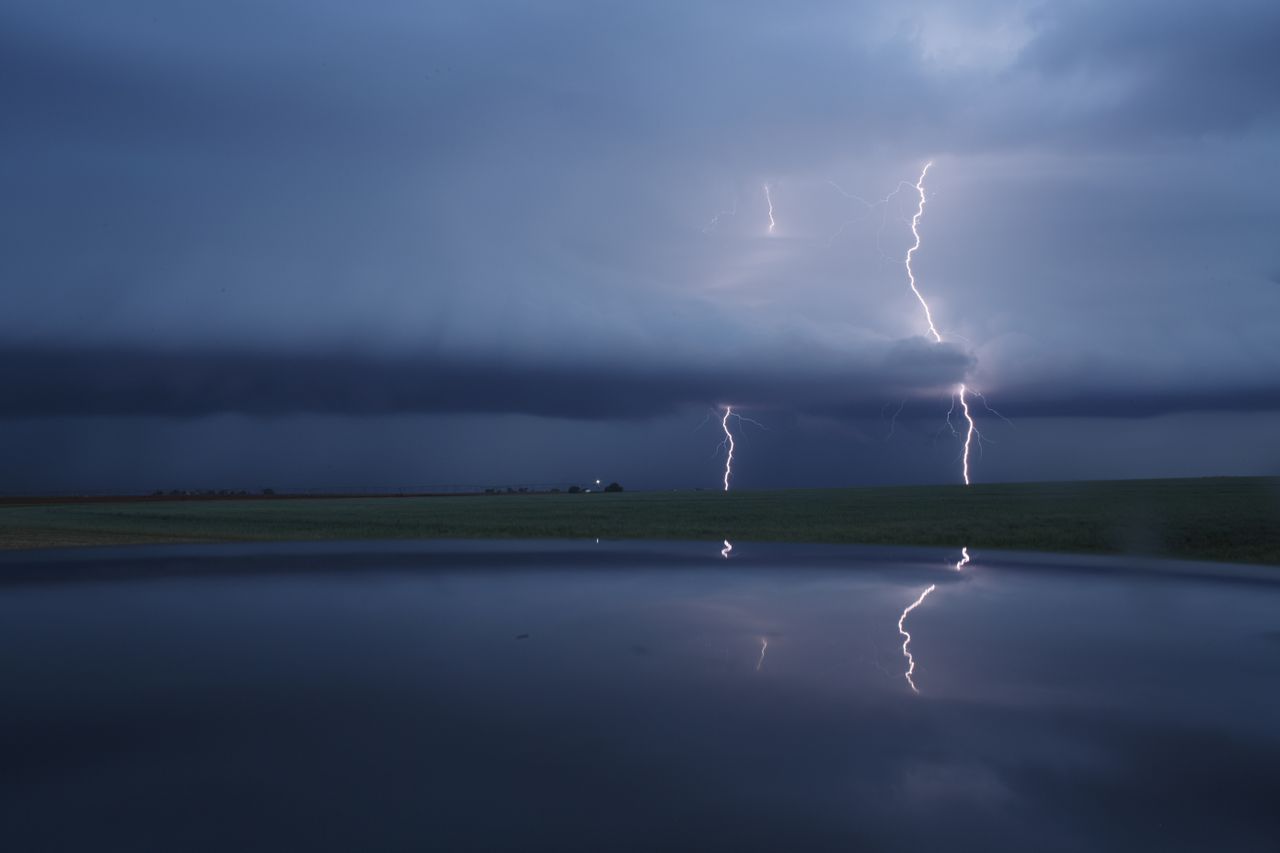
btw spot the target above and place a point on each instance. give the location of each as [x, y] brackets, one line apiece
[1209, 518]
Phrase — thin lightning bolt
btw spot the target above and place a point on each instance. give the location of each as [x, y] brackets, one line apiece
[987, 406]
[743, 419]
[728, 460]
[769, 198]
[715, 220]
[962, 391]
[951, 411]
[728, 437]
[969, 433]
[764, 646]
[915, 232]
[870, 206]
[893, 421]
[964, 559]
[906, 642]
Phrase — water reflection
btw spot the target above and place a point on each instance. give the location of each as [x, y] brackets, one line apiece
[406, 697]
[906, 642]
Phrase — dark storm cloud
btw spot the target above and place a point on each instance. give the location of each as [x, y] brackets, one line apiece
[1102, 401]
[910, 375]
[1150, 68]
[1082, 397]
[65, 382]
[297, 206]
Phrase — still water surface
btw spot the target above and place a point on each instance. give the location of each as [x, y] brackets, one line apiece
[634, 696]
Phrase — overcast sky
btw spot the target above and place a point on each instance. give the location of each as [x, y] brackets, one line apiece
[309, 243]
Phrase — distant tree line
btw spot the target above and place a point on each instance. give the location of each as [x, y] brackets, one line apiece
[573, 490]
[209, 493]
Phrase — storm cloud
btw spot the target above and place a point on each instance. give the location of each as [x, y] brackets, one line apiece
[190, 383]
[288, 208]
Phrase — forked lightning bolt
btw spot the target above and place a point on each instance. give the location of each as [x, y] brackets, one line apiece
[728, 444]
[728, 437]
[870, 206]
[971, 430]
[915, 247]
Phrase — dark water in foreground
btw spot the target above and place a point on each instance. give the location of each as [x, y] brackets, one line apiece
[575, 696]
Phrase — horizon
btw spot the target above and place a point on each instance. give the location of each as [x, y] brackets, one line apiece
[431, 490]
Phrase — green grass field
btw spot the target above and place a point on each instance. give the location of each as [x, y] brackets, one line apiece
[1235, 519]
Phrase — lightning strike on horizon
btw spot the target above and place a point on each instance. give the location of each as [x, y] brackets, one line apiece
[728, 443]
[962, 390]
[728, 437]
[969, 433]
[906, 642]
[764, 646]
[769, 198]
[964, 558]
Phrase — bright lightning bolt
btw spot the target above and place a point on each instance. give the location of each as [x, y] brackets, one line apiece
[728, 437]
[906, 642]
[727, 443]
[915, 232]
[969, 433]
[964, 559]
[769, 198]
[764, 646]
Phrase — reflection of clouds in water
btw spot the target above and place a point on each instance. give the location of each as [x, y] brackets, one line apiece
[924, 783]
[634, 663]
[758, 614]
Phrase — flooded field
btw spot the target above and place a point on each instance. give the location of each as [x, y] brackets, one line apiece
[615, 696]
